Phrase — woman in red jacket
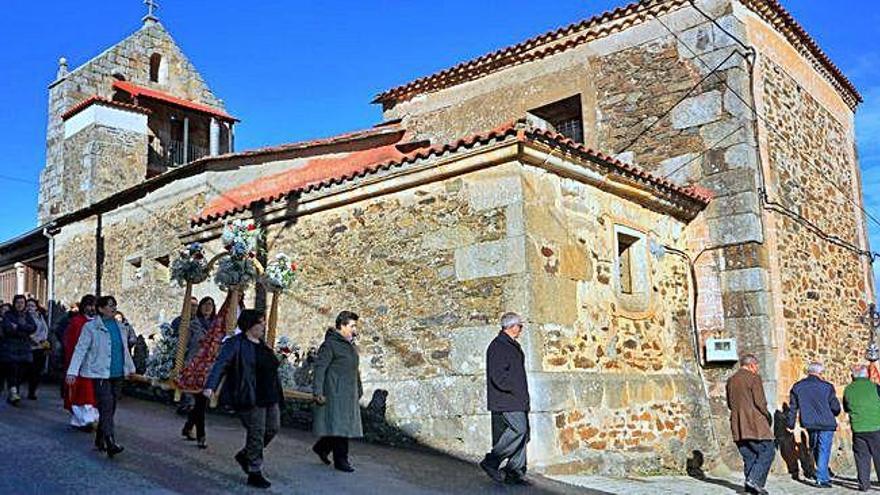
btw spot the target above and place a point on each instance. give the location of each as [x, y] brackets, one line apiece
[79, 398]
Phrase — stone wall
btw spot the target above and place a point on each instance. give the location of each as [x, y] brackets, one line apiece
[103, 160]
[131, 59]
[429, 270]
[615, 384]
[824, 289]
[648, 97]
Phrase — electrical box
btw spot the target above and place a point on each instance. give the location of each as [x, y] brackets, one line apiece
[721, 350]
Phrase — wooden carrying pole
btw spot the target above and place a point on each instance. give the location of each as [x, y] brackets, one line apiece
[273, 320]
[182, 336]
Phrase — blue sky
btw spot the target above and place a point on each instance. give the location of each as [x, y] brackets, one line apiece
[293, 69]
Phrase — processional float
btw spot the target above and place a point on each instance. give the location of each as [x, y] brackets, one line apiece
[235, 269]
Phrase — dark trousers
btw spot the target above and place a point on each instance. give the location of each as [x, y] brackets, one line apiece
[757, 458]
[12, 374]
[337, 445]
[107, 393]
[196, 416]
[262, 424]
[510, 435]
[866, 448]
[35, 371]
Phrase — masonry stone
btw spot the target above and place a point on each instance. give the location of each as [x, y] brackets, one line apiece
[697, 110]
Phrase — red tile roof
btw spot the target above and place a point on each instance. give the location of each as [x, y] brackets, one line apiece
[603, 25]
[79, 107]
[141, 92]
[323, 172]
[314, 171]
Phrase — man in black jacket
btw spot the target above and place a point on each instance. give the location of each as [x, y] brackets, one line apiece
[508, 399]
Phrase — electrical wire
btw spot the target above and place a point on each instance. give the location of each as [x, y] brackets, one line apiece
[757, 115]
[671, 108]
[750, 104]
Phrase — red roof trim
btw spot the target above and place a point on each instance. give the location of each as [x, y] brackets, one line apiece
[537, 48]
[514, 129]
[142, 92]
[100, 100]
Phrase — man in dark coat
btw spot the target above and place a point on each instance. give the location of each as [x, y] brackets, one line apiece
[750, 423]
[15, 346]
[337, 415]
[508, 399]
[816, 401]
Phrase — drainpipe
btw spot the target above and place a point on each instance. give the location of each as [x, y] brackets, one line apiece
[49, 232]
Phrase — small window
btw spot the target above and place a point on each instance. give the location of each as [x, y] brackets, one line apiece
[132, 272]
[156, 68]
[631, 263]
[625, 248]
[162, 269]
[564, 117]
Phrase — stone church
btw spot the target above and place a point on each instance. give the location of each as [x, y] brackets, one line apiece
[655, 188]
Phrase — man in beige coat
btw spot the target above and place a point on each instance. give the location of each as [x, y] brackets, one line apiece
[750, 423]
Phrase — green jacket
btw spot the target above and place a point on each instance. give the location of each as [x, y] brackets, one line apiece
[337, 378]
[861, 399]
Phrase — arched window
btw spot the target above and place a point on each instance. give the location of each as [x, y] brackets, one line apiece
[156, 68]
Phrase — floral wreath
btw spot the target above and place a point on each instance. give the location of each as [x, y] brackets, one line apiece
[280, 273]
[190, 265]
[241, 241]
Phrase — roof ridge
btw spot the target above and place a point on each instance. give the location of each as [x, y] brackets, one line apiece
[535, 48]
[519, 129]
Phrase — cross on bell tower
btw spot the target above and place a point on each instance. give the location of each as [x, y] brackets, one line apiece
[152, 7]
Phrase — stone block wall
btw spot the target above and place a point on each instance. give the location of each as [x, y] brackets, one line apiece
[614, 380]
[430, 271]
[648, 97]
[824, 290]
[131, 59]
[103, 161]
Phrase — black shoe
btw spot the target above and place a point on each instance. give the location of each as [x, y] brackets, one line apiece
[324, 456]
[202, 443]
[515, 479]
[242, 461]
[345, 467]
[753, 488]
[187, 433]
[258, 481]
[113, 448]
[496, 475]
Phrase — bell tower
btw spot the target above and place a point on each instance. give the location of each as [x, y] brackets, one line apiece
[132, 112]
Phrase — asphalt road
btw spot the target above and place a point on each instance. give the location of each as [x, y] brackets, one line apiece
[40, 454]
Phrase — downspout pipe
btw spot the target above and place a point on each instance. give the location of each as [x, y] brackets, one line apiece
[49, 232]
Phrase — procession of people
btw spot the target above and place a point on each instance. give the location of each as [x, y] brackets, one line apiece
[814, 405]
[242, 370]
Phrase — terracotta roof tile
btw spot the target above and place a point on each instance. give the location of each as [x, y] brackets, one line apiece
[143, 92]
[79, 107]
[604, 24]
[324, 172]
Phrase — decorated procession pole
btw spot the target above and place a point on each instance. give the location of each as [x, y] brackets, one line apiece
[187, 270]
[277, 279]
